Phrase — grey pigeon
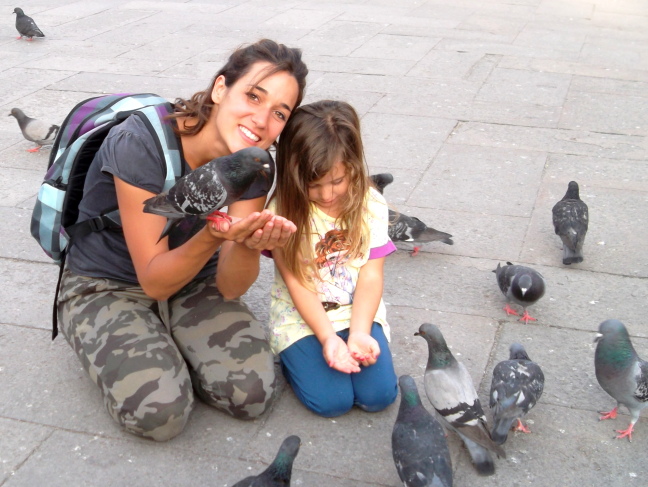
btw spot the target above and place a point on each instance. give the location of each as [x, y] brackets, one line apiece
[516, 387]
[620, 372]
[570, 218]
[219, 183]
[279, 471]
[450, 389]
[404, 228]
[382, 180]
[26, 26]
[521, 285]
[34, 130]
[419, 445]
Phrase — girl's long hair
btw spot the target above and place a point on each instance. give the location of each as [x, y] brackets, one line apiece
[280, 57]
[316, 136]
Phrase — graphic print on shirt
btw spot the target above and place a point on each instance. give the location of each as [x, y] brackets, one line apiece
[331, 257]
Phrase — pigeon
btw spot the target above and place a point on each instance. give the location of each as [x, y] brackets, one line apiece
[620, 372]
[451, 391]
[516, 387]
[382, 180]
[34, 130]
[404, 228]
[279, 471]
[419, 444]
[26, 26]
[521, 285]
[570, 217]
[212, 186]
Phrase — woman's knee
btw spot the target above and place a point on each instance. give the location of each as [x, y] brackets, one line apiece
[157, 409]
[376, 399]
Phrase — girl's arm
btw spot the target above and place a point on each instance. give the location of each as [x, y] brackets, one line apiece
[162, 272]
[334, 349]
[366, 300]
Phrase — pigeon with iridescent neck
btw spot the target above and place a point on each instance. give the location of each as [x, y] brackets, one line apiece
[279, 472]
[620, 372]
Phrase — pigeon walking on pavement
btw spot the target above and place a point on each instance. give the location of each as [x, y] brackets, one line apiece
[620, 372]
[26, 26]
[521, 285]
[419, 445]
[450, 389]
[516, 387]
[404, 228]
[570, 219]
[34, 130]
[219, 183]
[279, 471]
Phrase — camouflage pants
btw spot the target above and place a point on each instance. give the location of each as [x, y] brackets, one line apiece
[145, 355]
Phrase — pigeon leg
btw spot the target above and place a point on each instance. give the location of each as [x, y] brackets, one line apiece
[218, 217]
[415, 251]
[510, 311]
[626, 432]
[526, 317]
[609, 414]
[18, 38]
[520, 427]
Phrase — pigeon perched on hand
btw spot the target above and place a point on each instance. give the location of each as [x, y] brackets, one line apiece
[620, 372]
[404, 228]
[516, 387]
[522, 285]
[26, 26]
[419, 444]
[570, 218]
[279, 471]
[34, 130]
[450, 389]
[205, 190]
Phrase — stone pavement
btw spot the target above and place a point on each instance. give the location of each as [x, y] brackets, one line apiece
[482, 109]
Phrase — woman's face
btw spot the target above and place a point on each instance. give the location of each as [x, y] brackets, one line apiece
[254, 110]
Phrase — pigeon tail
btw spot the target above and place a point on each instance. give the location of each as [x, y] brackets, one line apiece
[572, 256]
[433, 235]
[481, 457]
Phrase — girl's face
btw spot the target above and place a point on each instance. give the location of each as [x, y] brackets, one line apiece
[253, 111]
[329, 192]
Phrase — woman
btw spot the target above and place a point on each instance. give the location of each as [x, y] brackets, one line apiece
[150, 319]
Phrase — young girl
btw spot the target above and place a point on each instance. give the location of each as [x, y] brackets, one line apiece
[327, 315]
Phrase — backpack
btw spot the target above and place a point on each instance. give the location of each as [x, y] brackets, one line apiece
[54, 218]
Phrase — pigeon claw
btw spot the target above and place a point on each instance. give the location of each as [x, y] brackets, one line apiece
[526, 317]
[415, 251]
[626, 432]
[33, 149]
[608, 414]
[510, 311]
[218, 217]
[520, 427]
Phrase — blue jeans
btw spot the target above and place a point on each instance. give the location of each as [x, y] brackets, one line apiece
[329, 392]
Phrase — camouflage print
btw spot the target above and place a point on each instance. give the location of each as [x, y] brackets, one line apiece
[122, 339]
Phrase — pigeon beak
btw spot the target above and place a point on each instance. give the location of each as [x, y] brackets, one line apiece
[598, 337]
[418, 334]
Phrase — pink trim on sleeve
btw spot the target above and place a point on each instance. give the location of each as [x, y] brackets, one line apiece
[382, 251]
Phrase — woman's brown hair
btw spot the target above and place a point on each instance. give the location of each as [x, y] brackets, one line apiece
[281, 58]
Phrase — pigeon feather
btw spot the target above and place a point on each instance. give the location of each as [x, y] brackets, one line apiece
[570, 219]
[621, 372]
[516, 387]
[279, 472]
[450, 389]
[419, 445]
[210, 187]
